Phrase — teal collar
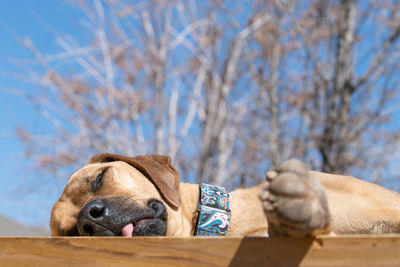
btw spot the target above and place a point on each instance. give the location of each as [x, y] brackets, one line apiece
[214, 213]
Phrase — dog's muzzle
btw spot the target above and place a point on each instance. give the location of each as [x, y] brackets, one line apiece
[111, 216]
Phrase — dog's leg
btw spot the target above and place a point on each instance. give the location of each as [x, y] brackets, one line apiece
[294, 202]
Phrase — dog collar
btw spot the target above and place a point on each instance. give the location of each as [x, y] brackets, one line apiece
[214, 213]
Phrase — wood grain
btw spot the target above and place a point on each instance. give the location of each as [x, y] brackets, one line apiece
[200, 251]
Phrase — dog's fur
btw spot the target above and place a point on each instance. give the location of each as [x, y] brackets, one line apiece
[292, 199]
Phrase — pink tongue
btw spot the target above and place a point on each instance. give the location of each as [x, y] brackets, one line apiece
[127, 230]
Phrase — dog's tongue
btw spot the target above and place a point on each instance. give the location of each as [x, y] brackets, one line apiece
[127, 230]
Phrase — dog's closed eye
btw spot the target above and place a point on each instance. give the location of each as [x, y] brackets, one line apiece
[97, 183]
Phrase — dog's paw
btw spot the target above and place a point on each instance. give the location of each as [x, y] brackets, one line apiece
[294, 201]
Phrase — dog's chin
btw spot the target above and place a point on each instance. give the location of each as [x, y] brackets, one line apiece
[145, 227]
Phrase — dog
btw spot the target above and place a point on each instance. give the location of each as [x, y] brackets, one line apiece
[114, 195]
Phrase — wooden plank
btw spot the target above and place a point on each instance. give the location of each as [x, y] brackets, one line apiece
[200, 251]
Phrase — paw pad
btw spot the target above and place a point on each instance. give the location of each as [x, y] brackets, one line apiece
[292, 198]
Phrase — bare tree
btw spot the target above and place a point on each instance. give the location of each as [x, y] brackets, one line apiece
[350, 91]
[227, 89]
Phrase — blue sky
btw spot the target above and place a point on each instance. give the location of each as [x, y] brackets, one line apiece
[28, 203]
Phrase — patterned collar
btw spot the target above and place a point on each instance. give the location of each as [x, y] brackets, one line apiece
[214, 213]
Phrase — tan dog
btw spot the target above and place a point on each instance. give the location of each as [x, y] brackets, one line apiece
[114, 195]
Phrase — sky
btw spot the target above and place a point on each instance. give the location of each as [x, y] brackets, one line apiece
[21, 197]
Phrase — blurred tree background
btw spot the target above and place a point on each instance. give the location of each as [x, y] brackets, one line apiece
[228, 89]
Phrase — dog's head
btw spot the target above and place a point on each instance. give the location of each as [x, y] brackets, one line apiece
[115, 195]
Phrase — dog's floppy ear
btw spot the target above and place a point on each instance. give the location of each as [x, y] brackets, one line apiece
[156, 168]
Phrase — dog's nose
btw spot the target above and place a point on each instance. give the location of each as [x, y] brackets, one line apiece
[96, 209]
[92, 218]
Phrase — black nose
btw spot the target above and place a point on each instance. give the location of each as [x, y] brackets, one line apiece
[159, 208]
[92, 219]
[96, 209]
